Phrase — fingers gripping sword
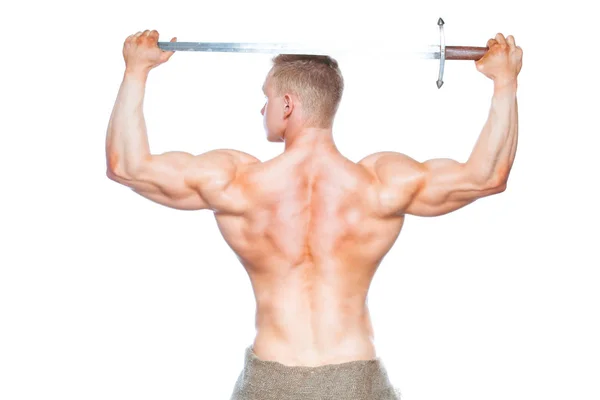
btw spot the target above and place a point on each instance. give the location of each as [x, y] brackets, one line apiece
[441, 51]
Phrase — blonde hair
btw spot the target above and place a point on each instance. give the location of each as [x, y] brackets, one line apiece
[316, 80]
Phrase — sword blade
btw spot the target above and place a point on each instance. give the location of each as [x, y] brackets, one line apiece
[426, 52]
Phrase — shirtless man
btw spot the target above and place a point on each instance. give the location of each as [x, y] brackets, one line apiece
[310, 226]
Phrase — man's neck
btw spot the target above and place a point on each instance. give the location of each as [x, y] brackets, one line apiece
[309, 139]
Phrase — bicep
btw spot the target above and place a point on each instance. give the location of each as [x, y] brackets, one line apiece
[431, 188]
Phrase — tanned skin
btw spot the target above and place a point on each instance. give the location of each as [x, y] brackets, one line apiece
[310, 227]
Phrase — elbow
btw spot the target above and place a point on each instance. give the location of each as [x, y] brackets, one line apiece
[110, 174]
[117, 170]
[117, 174]
[500, 188]
[500, 178]
[497, 184]
[490, 182]
[112, 165]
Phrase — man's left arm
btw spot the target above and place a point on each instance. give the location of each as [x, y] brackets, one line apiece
[175, 179]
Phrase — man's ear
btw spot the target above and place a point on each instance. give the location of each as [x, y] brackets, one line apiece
[288, 105]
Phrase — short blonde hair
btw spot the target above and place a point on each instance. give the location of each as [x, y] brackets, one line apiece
[316, 80]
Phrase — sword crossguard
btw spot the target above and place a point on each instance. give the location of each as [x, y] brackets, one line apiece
[440, 80]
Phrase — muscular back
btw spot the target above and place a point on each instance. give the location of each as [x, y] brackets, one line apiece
[311, 239]
[311, 227]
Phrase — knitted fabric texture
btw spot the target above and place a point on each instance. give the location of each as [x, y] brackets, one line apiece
[354, 380]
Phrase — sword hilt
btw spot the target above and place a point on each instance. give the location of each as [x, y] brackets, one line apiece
[455, 53]
[465, 52]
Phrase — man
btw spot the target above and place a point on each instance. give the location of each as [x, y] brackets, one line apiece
[310, 226]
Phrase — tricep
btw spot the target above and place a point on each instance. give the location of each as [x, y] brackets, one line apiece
[431, 188]
[183, 181]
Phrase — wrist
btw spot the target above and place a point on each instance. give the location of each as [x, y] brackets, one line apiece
[509, 85]
[137, 73]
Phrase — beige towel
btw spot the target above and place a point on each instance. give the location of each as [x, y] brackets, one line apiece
[354, 380]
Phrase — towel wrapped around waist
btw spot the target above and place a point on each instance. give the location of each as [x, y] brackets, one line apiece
[354, 380]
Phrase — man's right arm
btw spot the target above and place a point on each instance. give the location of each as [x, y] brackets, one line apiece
[440, 186]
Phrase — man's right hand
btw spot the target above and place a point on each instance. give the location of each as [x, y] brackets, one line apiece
[502, 62]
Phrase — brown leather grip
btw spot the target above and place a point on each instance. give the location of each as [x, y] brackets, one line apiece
[465, 52]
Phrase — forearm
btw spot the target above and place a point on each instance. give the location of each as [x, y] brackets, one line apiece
[494, 152]
[126, 138]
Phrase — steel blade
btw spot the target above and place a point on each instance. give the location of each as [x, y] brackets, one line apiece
[427, 52]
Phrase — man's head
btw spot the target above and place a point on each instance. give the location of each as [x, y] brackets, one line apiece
[301, 91]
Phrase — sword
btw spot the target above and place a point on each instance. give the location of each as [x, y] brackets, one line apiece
[441, 51]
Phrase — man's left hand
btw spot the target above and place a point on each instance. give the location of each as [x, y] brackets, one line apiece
[141, 51]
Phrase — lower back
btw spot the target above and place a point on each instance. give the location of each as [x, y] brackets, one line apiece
[297, 330]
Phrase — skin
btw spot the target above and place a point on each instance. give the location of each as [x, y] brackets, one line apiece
[310, 227]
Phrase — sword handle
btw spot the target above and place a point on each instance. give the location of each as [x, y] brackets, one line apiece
[465, 52]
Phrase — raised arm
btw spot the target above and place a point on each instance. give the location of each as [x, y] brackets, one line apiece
[213, 180]
[175, 179]
[439, 186]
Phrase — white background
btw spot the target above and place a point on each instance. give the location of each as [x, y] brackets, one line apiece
[106, 295]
